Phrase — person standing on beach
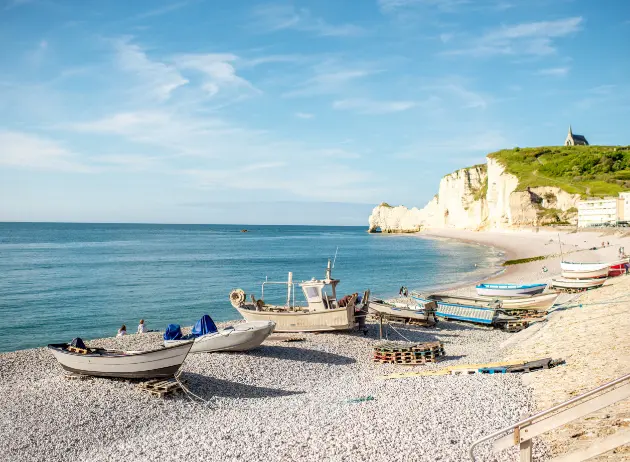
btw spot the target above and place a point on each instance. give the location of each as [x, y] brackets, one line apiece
[142, 328]
[122, 331]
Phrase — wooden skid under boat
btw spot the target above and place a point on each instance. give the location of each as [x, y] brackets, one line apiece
[303, 321]
[416, 312]
[162, 362]
[241, 337]
[577, 283]
[509, 290]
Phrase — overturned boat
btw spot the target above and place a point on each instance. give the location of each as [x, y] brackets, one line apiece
[321, 312]
[159, 363]
[509, 290]
[463, 308]
[411, 310]
[589, 270]
[578, 284]
[208, 338]
[540, 302]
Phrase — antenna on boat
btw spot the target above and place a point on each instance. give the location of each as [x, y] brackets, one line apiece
[335, 259]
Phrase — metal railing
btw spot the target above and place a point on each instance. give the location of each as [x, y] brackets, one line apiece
[542, 422]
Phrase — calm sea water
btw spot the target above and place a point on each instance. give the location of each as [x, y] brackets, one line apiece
[61, 280]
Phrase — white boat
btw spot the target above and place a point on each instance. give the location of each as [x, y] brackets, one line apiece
[587, 270]
[241, 337]
[509, 290]
[540, 302]
[589, 283]
[585, 274]
[321, 312]
[412, 310]
[162, 362]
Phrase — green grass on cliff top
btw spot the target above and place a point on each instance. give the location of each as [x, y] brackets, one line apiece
[586, 170]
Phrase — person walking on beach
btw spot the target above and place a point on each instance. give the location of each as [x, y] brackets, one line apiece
[122, 331]
[142, 328]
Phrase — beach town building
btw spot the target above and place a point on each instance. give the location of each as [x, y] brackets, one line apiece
[607, 211]
[575, 140]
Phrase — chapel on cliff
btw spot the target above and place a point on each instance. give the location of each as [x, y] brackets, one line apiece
[575, 140]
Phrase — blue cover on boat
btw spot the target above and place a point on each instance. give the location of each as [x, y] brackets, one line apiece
[173, 332]
[204, 326]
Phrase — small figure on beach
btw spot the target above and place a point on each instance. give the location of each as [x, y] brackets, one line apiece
[402, 290]
[626, 266]
[142, 328]
[122, 331]
[544, 268]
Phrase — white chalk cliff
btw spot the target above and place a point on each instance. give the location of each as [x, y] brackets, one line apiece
[479, 197]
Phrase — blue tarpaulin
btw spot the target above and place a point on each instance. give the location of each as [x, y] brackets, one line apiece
[173, 332]
[204, 326]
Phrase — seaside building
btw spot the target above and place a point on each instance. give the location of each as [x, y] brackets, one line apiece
[607, 211]
[575, 140]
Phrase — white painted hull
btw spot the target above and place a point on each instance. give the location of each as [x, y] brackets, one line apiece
[577, 283]
[509, 290]
[571, 266]
[540, 302]
[163, 362]
[585, 274]
[400, 310]
[241, 337]
[296, 321]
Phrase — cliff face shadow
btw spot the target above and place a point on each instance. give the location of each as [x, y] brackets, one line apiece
[301, 354]
[208, 387]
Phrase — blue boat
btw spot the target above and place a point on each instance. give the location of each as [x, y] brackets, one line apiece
[510, 290]
[465, 308]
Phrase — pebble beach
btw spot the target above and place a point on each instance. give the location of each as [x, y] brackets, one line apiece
[317, 399]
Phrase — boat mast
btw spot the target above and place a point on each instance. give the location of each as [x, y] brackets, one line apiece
[328, 269]
[289, 285]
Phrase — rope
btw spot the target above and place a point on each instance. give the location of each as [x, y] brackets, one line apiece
[187, 392]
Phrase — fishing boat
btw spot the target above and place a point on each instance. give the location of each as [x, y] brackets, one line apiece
[101, 362]
[410, 310]
[208, 338]
[540, 302]
[464, 308]
[509, 290]
[322, 311]
[588, 270]
[577, 284]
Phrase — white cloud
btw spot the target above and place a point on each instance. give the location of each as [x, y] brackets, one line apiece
[157, 78]
[329, 78]
[533, 38]
[162, 10]
[19, 149]
[284, 17]
[366, 106]
[388, 6]
[554, 71]
[304, 115]
[218, 70]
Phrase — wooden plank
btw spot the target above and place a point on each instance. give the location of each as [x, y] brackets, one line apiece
[596, 447]
[525, 452]
[556, 420]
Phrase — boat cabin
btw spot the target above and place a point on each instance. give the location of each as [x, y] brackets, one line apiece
[320, 295]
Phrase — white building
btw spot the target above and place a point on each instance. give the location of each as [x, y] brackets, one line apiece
[600, 211]
[625, 208]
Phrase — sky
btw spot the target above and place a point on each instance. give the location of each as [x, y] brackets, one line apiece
[289, 112]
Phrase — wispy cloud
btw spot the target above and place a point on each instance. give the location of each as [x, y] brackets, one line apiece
[270, 18]
[554, 71]
[366, 106]
[15, 3]
[218, 70]
[162, 10]
[158, 79]
[532, 38]
[330, 78]
[388, 6]
[25, 150]
[304, 115]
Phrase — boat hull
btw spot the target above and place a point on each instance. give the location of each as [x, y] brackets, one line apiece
[241, 337]
[509, 290]
[463, 308]
[571, 266]
[585, 274]
[539, 302]
[160, 363]
[417, 313]
[295, 321]
[578, 283]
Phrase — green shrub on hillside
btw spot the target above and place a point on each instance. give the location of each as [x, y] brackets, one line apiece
[586, 170]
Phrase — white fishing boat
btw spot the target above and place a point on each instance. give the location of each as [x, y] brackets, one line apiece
[322, 311]
[509, 290]
[208, 338]
[540, 302]
[590, 283]
[575, 270]
[410, 310]
[159, 363]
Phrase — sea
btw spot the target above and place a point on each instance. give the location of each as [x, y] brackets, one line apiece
[64, 280]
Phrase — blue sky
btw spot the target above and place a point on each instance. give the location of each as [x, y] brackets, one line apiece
[307, 112]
